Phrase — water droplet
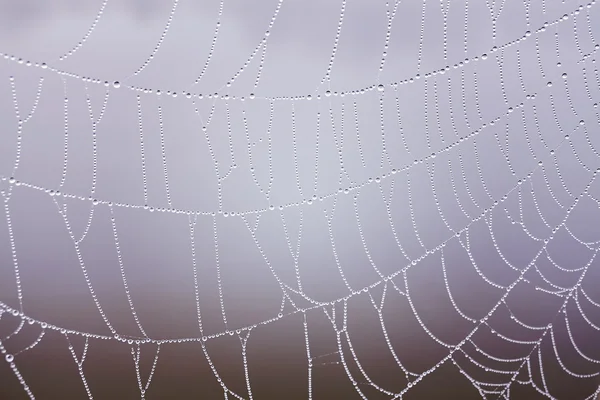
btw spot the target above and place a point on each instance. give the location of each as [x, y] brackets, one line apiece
[252, 96]
[9, 358]
[484, 56]
[564, 75]
[380, 87]
[549, 84]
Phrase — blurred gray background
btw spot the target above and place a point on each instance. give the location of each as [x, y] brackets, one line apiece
[150, 150]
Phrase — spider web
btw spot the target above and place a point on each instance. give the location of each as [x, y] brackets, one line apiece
[447, 205]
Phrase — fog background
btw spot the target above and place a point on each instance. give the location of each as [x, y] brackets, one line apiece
[155, 247]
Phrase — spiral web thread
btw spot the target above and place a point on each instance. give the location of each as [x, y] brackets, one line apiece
[574, 134]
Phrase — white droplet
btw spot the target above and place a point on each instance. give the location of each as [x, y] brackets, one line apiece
[9, 358]
[380, 87]
[116, 84]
